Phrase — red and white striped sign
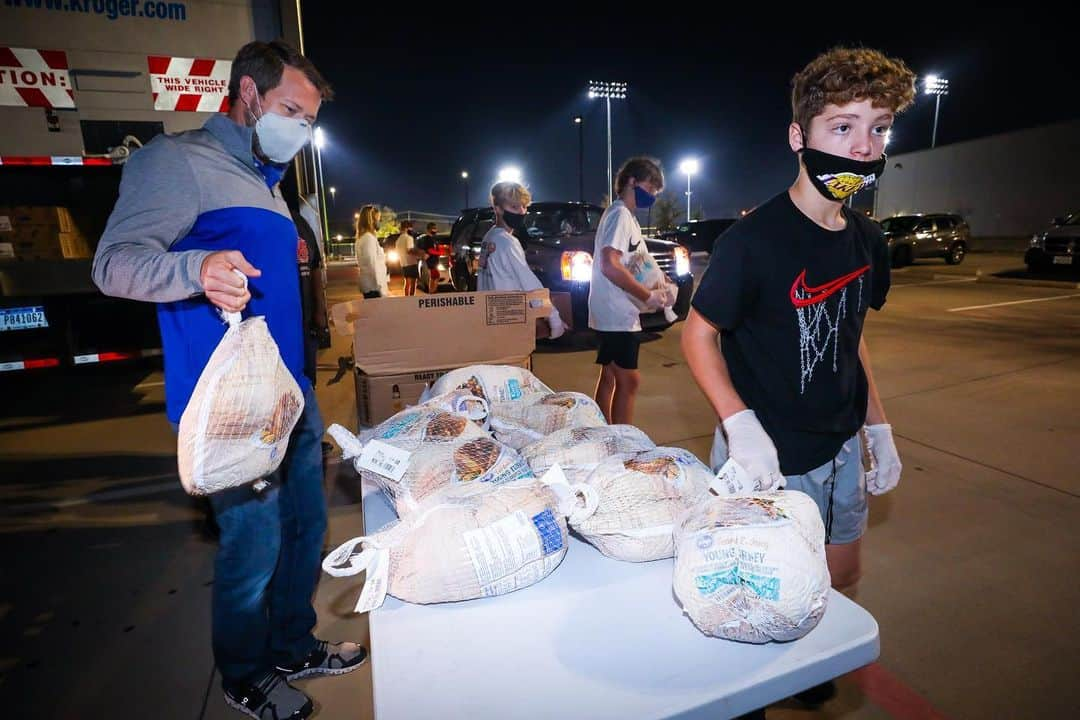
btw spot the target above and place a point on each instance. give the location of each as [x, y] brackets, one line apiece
[189, 84]
[41, 160]
[35, 78]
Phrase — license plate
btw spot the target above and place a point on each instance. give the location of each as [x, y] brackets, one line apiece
[23, 318]
[1063, 260]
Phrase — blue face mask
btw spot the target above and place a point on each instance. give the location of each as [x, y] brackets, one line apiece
[643, 198]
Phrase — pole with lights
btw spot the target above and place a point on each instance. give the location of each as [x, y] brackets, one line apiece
[608, 91]
[935, 85]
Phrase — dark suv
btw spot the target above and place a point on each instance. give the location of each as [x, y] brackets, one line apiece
[911, 237]
[558, 248]
[1058, 245]
[699, 235]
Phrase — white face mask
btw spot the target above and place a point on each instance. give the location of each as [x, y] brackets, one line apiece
[280, 137]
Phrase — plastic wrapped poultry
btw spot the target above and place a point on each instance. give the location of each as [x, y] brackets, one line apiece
[752, 567]
[638, 499]
[463, 542]
[524, 422]
[579, 450]
[425, 448]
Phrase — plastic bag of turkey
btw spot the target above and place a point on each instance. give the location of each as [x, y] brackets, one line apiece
[579, 450]
[752, 567]
[463, 542]
[639, 498]
[523, 422]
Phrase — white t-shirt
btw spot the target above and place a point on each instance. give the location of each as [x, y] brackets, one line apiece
[371, 259]
[610, 307]
[503, 265]
[405, 243]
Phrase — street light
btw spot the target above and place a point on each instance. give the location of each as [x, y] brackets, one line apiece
[609, 91]
[689, 166]
[579, 121]
[935, 85]
[320, 143]
[333, 195]
[510, 174]
[465, 177]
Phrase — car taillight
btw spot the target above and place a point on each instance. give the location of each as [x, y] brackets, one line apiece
[577, 266]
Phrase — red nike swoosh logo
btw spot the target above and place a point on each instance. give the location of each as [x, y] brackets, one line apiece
[821, 292]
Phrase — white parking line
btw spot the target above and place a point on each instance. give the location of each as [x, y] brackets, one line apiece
[931, 282]
[1013, 302]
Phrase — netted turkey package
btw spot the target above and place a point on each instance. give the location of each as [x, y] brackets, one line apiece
[235, 428]
[526, 421]
[493, 383]
[463, 542]
[643, 266]
[638, 499]
[752, 567]
[436, 449]
[579, 450]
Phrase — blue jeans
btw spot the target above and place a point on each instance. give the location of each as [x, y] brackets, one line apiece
[268, 560]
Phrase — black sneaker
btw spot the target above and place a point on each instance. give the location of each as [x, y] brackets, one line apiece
[327, 659]
[270, 699]
[817, 695]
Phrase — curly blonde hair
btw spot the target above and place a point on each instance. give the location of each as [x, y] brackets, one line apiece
[844, 75]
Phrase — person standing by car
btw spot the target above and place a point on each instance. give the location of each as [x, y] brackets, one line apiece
[409, 257]
[612, 314]
[427, 243]
[502, 259]
[370, 256]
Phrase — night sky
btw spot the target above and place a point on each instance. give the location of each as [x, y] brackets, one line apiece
[417, 106]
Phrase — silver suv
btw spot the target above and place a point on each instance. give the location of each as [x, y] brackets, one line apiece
[911, 237]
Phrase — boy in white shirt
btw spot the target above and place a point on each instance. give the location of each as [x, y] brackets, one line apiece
[612, 314]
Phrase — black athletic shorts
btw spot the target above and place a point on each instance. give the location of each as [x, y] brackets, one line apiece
[620, 348]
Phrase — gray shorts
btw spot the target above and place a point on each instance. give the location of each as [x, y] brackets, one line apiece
[838, 487]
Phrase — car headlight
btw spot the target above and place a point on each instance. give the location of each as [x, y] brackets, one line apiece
[1037, 240]
[682, 261]
[392, 256]
[576, 266]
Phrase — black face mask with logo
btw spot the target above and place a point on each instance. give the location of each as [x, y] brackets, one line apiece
[836, 177]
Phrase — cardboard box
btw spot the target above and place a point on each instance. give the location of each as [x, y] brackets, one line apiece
[73, 246]
[382, 396]
[411, 341]
[52, 215]
[42, 233]
[34, 242]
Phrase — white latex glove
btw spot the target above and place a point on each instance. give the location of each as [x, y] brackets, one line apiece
[555, 322]
[885, 467]
[657, 300]
[751, 447]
